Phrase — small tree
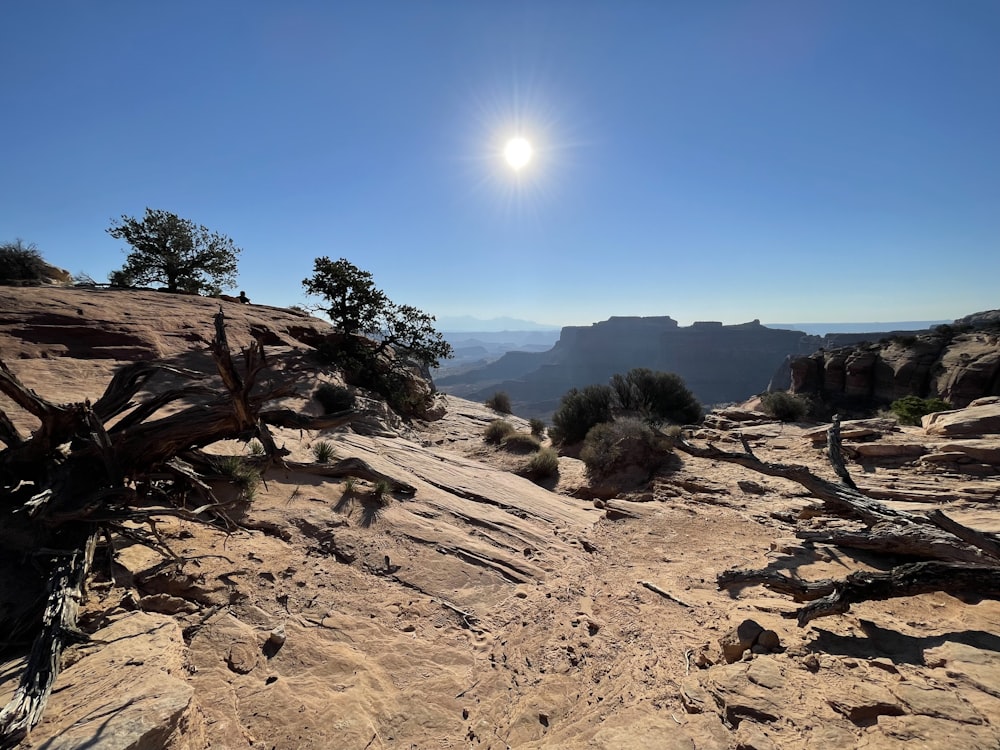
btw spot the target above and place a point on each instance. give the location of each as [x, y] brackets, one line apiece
[579, 411]
[656, 396]
[356, 306]
[184, 256]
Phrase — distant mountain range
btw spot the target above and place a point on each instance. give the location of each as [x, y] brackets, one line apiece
[468, 323]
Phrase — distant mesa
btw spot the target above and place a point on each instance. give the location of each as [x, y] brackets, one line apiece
[719, 363]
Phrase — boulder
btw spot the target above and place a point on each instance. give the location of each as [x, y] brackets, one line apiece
[973, 420]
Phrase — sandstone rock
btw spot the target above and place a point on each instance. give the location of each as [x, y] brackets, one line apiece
[242, 657]
[740, 639]
[941, 704]
[866, 702]
[166, 604]
[128, 695]
[736, 698]
[973, 420]
[905, 732]
[984, 451]
[889, 450]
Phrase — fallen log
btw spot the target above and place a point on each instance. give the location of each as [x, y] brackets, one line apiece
[89, 468]
[953, 558]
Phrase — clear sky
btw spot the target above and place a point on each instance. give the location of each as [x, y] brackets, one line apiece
[723, 160]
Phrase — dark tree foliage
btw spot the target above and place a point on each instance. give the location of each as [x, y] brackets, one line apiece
[21, 262]
[911, 409]
[656, 396]
[184, 256]
[580, 410]
[356, 306]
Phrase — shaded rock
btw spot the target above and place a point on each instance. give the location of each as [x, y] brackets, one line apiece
[740, 639]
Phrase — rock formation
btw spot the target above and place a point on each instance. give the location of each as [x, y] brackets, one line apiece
[957, 363]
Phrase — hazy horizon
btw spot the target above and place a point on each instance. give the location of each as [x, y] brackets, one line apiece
[803, 161]
[501, 325]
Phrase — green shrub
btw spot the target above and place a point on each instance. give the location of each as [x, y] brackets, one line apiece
[613, 446]
[21, 263]
[381, 490]
[500, 402]
[244, 476]
[521, 442]
[537, 427]
[910, 409]
[255, 447]
[334, 398]
[656, 396]
[545, 463]
[579, 411]
[323, 451]
[784, 406]
[497, 430]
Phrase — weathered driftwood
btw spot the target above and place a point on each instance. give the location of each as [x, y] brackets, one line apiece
[955, 558]
[59, 629]
[88, 468]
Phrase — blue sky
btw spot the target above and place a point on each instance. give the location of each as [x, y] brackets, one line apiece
[797, 161]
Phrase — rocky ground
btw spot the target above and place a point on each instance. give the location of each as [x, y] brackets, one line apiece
[487, 611]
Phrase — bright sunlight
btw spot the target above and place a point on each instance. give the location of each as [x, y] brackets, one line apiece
[518, 153]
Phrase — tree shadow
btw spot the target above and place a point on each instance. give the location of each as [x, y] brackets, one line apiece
[899, 648]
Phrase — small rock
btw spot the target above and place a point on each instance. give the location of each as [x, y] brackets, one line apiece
[769, 640]
[811, 662]
[739, 640]
[242, 657]
[277, 637]
[751, 488]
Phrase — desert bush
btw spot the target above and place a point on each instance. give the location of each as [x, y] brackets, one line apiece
[21, 263]
[244, 476]
[579, 411]
[334, 398]
[656, 396]
[323, 451]
[381, 490]
[537, 427]
[255, 447]
[613, 446]
[910, 409]
[544, 463]
[500, 402]
[521, 442]
[497, 430]
[784, 406]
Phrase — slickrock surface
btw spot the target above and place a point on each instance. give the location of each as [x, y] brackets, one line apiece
[486, 611]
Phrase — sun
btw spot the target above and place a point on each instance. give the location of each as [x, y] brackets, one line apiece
[518, 153]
